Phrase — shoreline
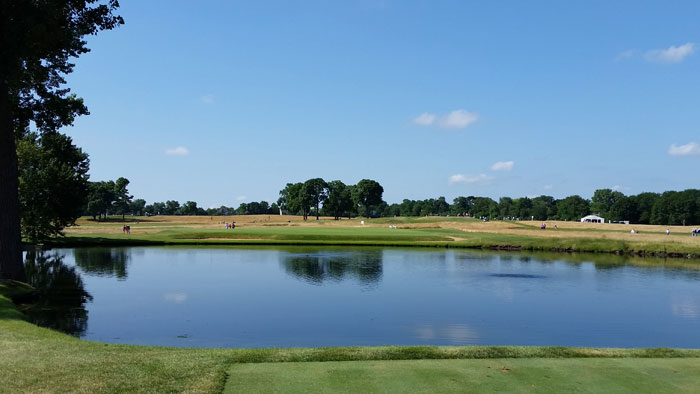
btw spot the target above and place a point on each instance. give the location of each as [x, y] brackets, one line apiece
[600, 246]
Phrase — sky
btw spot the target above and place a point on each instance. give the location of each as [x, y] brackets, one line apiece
[223, 102]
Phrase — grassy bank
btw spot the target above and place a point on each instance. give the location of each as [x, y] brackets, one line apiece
[409, 232]
[38, 360]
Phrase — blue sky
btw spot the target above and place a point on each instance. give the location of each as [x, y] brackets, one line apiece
[224, 102]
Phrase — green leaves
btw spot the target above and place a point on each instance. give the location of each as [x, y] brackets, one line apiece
[53, 184]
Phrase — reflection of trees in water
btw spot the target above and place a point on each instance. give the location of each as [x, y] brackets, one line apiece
[321, 267]
[60, 294]
[109, 262]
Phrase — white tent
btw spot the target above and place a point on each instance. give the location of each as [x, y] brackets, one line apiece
[592, 219]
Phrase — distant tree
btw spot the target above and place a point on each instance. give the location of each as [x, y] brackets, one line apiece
[294, 200]
[461, 205]
[366, 194]
[157, 208]
[316, 191]
[484, 207]
[440, 206]
[189, 208]
[122, 198]
[603, 199]
[645, 203]
[523, 207]
[137, 207]
[53, 184]
[573, 208]
[624, 208]
[543, 207]
[100, 198]
[171, 207]
[677, 208]
[339, 201]
[506, 208]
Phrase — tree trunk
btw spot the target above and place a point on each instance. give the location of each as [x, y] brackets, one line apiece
[11, 266]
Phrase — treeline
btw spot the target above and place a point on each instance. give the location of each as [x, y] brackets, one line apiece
[334, 198]
[108, 198]
[316, 197]
[668, 208]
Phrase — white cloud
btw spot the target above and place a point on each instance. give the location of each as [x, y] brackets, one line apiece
[689, 149]
[617, 188]
[241, 198]
[458, 119]
[503, 166]
[624, 55]
[670, 55]
[460, 178]
[207, 99]
[179, 151]
[425, 119]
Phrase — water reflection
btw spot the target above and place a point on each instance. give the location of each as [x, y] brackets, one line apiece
[60, 294]
[317, 268]
[455, 334]
[333, 296]
[102, 261]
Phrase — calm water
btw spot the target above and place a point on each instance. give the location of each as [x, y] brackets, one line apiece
[267, 297]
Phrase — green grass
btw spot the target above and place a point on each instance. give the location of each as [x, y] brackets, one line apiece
[378, 236]
[628, 375]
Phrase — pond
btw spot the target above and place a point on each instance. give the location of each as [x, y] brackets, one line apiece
[331, 296]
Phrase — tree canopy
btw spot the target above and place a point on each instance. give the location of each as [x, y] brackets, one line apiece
[366, 194]
[53, 184]
[37, 41]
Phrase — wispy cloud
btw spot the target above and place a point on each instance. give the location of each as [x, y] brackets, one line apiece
[503, 166]
[461, 178]
[425, 119]
[457, 119]
[670, 55]
[178, 151]
[624, 55]
[689, 149]
[241, 198]
[207, 99]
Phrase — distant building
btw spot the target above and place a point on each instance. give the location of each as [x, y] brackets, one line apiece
[592, 219]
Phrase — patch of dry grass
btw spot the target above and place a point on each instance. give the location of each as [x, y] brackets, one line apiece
[617, 232]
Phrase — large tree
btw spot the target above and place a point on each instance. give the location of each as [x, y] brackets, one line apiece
[122, 198]
[339, 201]
[53, 184]
[292, 199]
[38, 38]
[366, 194]
[316, 190]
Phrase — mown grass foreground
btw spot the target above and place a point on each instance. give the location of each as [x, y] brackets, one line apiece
[39, 360]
